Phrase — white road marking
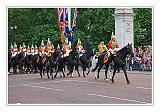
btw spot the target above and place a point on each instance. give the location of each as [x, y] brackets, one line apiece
[136, 101]
[89, 82]
[28, 85]
[144, 88]
[44, 88]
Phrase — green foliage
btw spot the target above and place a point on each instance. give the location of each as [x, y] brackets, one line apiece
[143, 20]
[35, 24]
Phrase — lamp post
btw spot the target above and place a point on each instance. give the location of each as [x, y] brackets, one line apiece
[14, 28]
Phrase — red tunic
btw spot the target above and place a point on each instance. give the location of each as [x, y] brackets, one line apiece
[109, 45]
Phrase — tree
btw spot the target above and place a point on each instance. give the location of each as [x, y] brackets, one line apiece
[93, 24]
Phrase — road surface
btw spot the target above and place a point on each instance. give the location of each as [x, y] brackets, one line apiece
[31, 89]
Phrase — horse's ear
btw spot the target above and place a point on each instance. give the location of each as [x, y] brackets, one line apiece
[128, 44]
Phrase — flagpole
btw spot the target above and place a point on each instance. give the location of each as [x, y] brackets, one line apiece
[69, 22]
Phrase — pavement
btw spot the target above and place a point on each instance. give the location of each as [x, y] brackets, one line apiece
[28, 89]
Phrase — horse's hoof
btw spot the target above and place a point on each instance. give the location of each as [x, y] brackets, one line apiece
[54, 76]
[95, 78]
[128, 83]
[63, 75]
[112, 81]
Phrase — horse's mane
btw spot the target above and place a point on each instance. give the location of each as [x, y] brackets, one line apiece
[122, 49]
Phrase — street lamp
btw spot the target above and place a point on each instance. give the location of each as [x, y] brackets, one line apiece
[13, 27]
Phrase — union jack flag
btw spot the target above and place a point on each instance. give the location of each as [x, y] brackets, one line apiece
[61, 18]
[66, 21]
[74, 19]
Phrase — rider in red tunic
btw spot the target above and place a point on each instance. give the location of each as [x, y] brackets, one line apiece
[113, 45]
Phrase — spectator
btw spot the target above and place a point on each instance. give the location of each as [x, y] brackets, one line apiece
[142, 59]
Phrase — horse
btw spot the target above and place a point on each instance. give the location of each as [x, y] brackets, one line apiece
[72, 61]
[119, 61]
[35, 63]
[85, 59]
[51, 63]
[42, 64]
[60, 62]
[28, 63]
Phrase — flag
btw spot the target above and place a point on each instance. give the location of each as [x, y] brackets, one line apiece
[60, 12]
[74, 19]
[67, 20]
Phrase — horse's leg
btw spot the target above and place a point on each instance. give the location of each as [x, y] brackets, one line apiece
[41, 72]
[51, 71]
[99, 69]
[72, 73]
[63, 73]
[125, 73]
[114, 72]
[83, 67]
[47, 70]
[68, 73]
[56, 72]
[78, 72]
[106, 71]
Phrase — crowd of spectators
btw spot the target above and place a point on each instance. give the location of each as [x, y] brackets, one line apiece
[142, 59]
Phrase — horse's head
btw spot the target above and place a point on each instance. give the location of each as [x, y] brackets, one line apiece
[129, 48]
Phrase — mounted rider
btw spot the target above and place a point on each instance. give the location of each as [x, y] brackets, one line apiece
[42, 49]
[66, 49]
[36, 51]
[49, 48]
[20, 49]
[28, 50]
[113, 46]
[102, 47]
[53, 49]
[11, 48]
[32, 50]
[15, 50]
[103, 50]
[80, 48]
[24, 50]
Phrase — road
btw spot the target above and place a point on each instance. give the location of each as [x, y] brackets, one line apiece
[31, 89]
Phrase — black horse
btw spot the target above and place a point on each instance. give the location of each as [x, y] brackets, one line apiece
[119, 60]
[42, 64]
[73, 61]
[35, 63]
[60, 62]
[85, 59]
[51, 63]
